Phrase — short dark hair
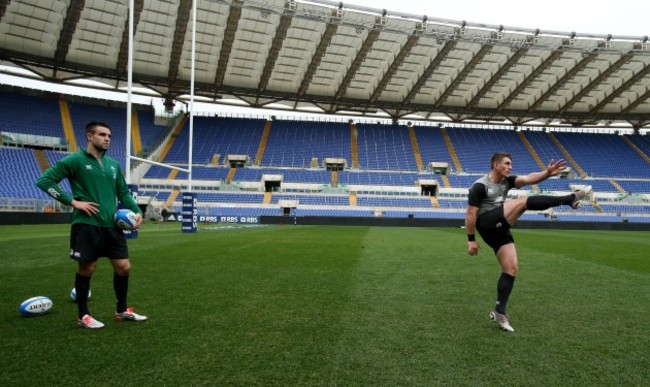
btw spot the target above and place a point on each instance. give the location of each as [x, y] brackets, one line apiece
[497, 157]
[90, 127]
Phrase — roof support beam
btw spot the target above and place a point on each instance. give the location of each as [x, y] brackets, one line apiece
[69, 27]
[399, 59]
[587, 58]
[596, 81]
[548, 62]
[427, 73]
[463, 74]
[325, 41]
[372, 37]
[3, 7]
[123, 56]
[182, 20]
[496, 77]
[276, 46]
[228, 39]
[624, 87]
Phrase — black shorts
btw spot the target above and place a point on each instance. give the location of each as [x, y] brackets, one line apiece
[494, 229]
[88, 243]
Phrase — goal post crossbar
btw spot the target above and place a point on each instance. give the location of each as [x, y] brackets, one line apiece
[160, 164]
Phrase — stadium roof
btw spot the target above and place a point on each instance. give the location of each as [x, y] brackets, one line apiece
[325, 56]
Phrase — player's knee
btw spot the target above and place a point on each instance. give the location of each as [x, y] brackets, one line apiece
[123, 267]
[86, 269]
[522, 201]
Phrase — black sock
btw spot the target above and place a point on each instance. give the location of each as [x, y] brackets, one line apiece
[543, 202]
[504, 287]
[82, 286]
[121, 287]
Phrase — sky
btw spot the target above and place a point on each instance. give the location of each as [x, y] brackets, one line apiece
[620, 18]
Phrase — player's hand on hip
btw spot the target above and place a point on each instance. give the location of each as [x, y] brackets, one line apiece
[89, 208]
[473, 248]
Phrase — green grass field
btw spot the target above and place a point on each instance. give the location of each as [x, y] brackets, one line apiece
[334, 306]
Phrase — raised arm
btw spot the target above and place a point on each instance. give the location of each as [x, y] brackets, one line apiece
[553, 169]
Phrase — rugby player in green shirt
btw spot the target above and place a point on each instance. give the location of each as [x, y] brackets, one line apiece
[97, 185]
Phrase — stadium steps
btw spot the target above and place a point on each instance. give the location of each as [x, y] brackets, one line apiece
[355, 146]
[267, 197]
[531, 150]
[231, 175]
[434, 202]
[41, 159]
[445, 181]
[172, 196]
[567, 155]
[416, 149]
[135, 133]
[617, 186]
[335, 179]
[68, 130]
[215, 159]
[172, 174]
[179, 126]
[265, 138]
[636, 148]
[450, 148]
[353, 199]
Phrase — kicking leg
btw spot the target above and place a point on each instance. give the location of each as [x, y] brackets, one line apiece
[513, 209]
[543, 202]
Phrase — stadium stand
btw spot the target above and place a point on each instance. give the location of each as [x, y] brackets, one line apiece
[19, 173]
[295, 143]
[385, 147]
[604, 155]
[475, 147]
[43, 118]
[385, 184]
[217, 135]
[432, 145]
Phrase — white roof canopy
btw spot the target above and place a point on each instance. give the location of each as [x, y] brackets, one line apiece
[336, 57]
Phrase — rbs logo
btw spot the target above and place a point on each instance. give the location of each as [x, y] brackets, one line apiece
[229, 219]
[238, 219]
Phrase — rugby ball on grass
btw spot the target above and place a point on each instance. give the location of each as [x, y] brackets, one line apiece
[35, 306]
[125, 219]
[73, 294]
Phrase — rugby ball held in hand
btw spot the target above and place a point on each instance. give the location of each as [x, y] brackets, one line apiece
[125, 219]
[35, 306]
[73, 294]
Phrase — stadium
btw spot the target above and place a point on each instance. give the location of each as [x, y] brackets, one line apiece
[364, 117]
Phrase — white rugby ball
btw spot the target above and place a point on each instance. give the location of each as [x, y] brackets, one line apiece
[35, 306]
[73, 294]
[125, 219]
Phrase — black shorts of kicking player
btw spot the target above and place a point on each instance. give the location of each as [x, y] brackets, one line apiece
[494, 229]
[89, 243]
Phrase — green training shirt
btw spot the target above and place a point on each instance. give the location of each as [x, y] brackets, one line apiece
[90, 181]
